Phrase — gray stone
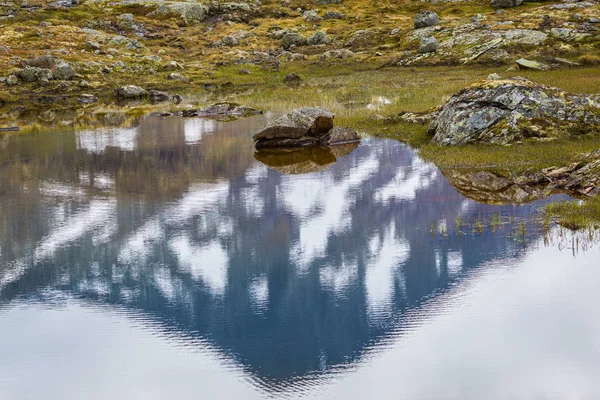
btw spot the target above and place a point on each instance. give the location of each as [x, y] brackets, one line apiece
[333, 15]
[176, 76]
[304, 122]
[506, 111]
[494, 77]
[428, 45]
[293, 39]
[424, 19]
[529, 64]
[130, 92]
[157, 96]
[34, 74]
[12, 80]
[340, 135]
[63, 72]
[190, 13]
[525, 36]
[319, 37]
[340, 53]
[311, 16]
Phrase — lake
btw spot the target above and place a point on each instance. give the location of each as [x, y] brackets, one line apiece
[162, 258]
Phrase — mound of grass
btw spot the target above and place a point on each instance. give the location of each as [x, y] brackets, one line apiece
[577, 214]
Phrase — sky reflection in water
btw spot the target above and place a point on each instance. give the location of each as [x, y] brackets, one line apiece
[166, 261]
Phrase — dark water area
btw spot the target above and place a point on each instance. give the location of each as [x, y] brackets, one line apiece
[168, 260]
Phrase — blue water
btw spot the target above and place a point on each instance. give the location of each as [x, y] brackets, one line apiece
[164, 260]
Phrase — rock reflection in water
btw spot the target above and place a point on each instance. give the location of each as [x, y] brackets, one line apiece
[304, 160]
[492, 187]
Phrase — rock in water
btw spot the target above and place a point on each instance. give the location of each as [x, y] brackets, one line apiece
[130, 92]
[304, 127]
[307, 121]
[505, 111]
[340, 135]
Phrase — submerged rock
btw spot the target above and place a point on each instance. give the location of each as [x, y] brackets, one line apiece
[505, 111]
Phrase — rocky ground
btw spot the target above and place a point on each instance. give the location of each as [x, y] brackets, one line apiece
[94, 46]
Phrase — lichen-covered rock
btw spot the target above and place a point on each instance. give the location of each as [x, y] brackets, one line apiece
[130, 92]
[339, 135]
[428, 44]
[319, 37]
[63, 72]
[308, 126]
[305, 122]
[190, 13]
[338, 53]
[426, 18]
[220, 110]
[505, 111]
[293, 39]
[34, 74]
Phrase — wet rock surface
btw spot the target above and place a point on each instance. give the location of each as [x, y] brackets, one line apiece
[307, 126]
[506, 111]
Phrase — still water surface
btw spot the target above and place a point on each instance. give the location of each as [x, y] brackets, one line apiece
[164, 260]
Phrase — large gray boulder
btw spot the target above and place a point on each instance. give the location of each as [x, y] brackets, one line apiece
[428, 44]
[505, 111]
[34, 74]
[426, 18]
[306, 121]
[309, 126]
[189, 13]
[293, 39]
